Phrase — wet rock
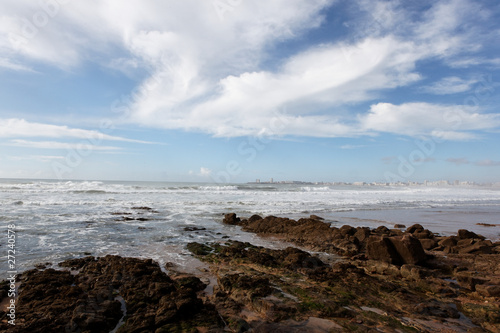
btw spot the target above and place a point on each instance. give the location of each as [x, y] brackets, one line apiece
[362, 234]
[251, 286]
[414, 228]
[382, 249]
[465, 234]
[448, 241]
[254, 218]
[194, 229]
[316, 217]
[399, 226]
[199, 249]
[428, 244]
[231, 219]
[396, 250]
[382, 230]
[488, 290]
[409, 249]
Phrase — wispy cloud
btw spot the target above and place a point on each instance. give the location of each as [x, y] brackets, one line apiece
[352, 146]
[458, 161]
[488, 163]
[202, 77]
[449, 85]
[59, 145]
[20, 128]
[11, 65]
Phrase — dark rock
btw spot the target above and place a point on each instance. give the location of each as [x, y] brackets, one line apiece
[194, 229]
[382, 249]
[254, 218]
[231, 219]
[409, 249]
[448, 241]
[396, 250]
[488, 290]
[415, 227]
[423, 234]
[250, 285]
[382, 230]
[399, 226]
[464, 234]
[199, 249]
[362, 234]
[316, 217]
[347, 230]
[428, 244]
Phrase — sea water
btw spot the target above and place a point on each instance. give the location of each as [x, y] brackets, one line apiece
[58, 220]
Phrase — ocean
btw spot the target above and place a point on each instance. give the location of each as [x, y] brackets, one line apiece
[58, 220]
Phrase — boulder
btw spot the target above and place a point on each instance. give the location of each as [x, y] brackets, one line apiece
[362, 234]
[448, 241]
[399, 226]
[409, 249]
[231, 219]
[464, 234]
[488, 290]
[428, 244]
[381, 249]
[413, 228]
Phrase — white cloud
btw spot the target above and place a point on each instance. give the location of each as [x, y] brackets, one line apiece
[205, 70]
[19, 128]
[414, 119]
[352, 146]
[449, 85]
[85, 147]
[10, 65]
[205, 172]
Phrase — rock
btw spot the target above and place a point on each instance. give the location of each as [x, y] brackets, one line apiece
[423, 234]
[428, 244]
[87, 301]
[409, 249]
[382, 249]
[194, 229]
[231, 219]
[469, 281]
[347, 230]
[362, 234]
[382, 230]
[254, 218]
[316, 217]
[413, 272]
[478, 247]
[488, 290]
[199, 249]
[399, 226]
[448, 241]
[413, 228]
[464, 234]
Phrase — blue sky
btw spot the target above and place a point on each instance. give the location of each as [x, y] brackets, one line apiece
[234, 90]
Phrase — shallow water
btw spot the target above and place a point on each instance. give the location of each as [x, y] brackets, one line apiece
[60, 220]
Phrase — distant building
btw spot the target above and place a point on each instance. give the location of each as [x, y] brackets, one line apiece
[257, 181]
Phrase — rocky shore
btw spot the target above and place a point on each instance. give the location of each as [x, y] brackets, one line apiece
[332, 280]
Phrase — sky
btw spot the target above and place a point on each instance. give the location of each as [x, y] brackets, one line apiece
[231, 91]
